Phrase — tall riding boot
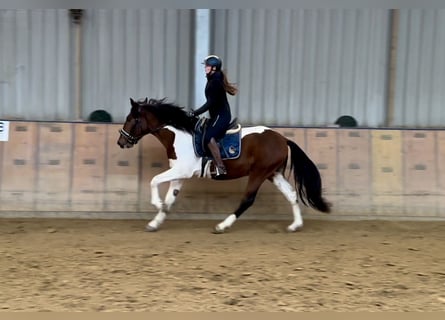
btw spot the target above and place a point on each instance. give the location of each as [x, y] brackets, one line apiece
[214, 149]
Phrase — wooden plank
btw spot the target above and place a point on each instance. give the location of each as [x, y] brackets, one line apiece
[88, 187]
[387, 191]
[297, 135]
[440, 147]
[321, 148]
[2, 143]
[18, 170]
[404, 179]
[420, 174]
[54, 167]
[121, 175]
[354, 179]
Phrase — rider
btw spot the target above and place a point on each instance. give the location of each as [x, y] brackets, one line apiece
[218, 107]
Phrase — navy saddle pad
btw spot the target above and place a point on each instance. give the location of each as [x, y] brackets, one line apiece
[229, 145]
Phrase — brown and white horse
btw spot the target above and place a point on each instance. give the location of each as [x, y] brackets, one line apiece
[264, 156]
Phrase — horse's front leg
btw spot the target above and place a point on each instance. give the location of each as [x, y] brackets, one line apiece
[170, 198]
[173, 190]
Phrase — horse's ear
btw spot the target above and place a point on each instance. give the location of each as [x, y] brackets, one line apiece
[132, 102]
[146, 100]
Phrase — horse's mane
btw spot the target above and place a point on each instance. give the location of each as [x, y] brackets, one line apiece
[170, 114]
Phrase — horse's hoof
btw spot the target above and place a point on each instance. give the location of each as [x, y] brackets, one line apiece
[218, 230]
[290, 229]
[150, 229]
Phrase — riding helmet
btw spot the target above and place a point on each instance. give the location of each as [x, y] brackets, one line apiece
[213, 61]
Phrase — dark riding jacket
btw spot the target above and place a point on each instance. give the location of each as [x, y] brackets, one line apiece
[217, 105]
[216, 96]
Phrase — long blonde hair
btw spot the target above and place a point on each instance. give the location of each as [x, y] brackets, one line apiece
[229, 87]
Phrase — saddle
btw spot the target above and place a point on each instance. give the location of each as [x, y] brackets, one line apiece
[229, 145]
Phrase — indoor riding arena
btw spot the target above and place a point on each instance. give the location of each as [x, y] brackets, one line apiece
[363, 256]
[74, 206]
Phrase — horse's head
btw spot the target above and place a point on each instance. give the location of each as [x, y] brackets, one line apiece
[138, 123]
[149, 116]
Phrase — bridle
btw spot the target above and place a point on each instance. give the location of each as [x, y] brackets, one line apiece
[130, 139]
[134, 140]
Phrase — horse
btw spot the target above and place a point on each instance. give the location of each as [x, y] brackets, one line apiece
[263, 156]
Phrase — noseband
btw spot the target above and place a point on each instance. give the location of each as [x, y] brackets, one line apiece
[130, 139]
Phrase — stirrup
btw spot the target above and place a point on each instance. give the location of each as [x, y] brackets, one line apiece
[220, 171]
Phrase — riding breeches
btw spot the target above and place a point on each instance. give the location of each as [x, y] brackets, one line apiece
[217, 127]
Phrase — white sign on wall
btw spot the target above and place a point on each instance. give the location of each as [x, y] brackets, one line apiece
[4, 130]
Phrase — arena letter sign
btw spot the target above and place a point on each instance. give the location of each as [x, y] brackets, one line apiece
[4, 130]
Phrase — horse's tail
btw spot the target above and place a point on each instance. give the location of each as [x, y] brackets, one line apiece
[307, 179]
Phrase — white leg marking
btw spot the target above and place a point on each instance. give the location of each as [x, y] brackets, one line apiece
[154, 224]
[291, 195]
[175, 176]
[170, 198]
[298, 221]
[227, 223]
[166, 176]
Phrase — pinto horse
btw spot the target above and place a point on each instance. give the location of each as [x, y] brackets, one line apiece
[263, 156]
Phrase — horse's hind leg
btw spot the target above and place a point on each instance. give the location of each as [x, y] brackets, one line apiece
[291, 195]
[248, 199]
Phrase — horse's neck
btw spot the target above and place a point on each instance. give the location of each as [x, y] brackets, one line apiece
[178, 143]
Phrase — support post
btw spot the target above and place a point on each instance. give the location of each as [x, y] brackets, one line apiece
[76, 18]
[393, 46]
[202, 47]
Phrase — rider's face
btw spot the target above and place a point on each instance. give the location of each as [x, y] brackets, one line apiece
[208, 69]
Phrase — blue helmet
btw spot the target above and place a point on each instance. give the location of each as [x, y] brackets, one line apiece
[213, 61]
